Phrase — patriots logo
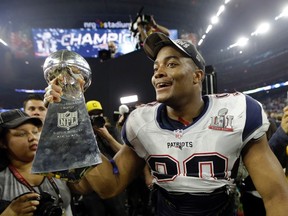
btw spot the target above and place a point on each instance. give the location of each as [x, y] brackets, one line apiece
[178, 133]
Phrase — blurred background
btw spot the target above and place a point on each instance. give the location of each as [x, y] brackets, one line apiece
[244, 43]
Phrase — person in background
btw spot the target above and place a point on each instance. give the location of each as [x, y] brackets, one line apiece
[112, 47]
[278, 140]
[147, 25]
[192, 143]
[23, 193]
[106, 134]
[250, 200]
[109, 142]
[33, 105]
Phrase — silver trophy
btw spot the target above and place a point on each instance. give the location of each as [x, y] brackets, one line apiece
[67, 145]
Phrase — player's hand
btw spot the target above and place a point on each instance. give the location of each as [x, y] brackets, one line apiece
[284, 121]
[54, 92]
[152, 21]
[24, 205]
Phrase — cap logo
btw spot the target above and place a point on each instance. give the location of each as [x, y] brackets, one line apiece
[182, 43]
[198, 58]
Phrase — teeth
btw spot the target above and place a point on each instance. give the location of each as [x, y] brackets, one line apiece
[162, 84]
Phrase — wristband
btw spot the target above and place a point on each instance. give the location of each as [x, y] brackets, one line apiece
[115, 168]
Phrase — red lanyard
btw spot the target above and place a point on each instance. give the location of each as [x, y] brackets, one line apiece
[20, 178]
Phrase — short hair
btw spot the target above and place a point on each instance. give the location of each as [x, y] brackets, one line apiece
[32, 97]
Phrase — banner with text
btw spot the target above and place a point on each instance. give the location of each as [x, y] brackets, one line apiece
[86, 42]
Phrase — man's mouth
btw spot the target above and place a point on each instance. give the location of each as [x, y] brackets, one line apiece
[163, 85]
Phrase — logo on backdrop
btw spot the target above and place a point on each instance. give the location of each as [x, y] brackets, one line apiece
[110, 25]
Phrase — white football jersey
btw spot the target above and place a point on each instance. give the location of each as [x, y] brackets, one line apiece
[200, 157]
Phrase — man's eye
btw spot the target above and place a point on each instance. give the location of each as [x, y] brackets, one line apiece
[171, 64]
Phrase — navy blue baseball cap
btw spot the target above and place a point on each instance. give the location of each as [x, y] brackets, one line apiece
[155, 41]
[14, 118]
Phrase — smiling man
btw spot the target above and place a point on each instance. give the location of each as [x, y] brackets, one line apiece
[198, 178]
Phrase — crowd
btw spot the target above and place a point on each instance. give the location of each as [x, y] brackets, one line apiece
[273, 104]
[176, 156]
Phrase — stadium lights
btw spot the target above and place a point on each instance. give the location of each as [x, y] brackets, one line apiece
[220, 11]
[240, 42]
[129, 99]
[214, 20]
[266, 88]
[208, 29]
[283, 14]
[30, 91]
[262, 29]
[3, 42]
[200, 42]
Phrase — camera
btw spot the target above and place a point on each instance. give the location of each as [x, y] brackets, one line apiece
[3, 205]
[48, 206]
[145, 19]
[97, 120]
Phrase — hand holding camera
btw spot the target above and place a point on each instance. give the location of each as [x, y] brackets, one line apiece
[25, 204]
[42, 204]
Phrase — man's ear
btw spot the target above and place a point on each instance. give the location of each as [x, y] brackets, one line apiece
[199, 76]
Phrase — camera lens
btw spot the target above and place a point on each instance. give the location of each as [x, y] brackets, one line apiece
[97, 121]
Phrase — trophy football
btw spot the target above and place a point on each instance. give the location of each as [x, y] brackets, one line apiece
[67, 146]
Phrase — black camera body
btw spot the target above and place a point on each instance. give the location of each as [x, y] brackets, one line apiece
[97, 120]
[145, 19]
[48, 206]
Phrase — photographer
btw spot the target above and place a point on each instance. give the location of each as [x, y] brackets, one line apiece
[147, 25]
[108, 138]
[23, 193]
[109, 142]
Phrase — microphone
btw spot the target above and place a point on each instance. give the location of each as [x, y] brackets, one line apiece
[123, 109]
